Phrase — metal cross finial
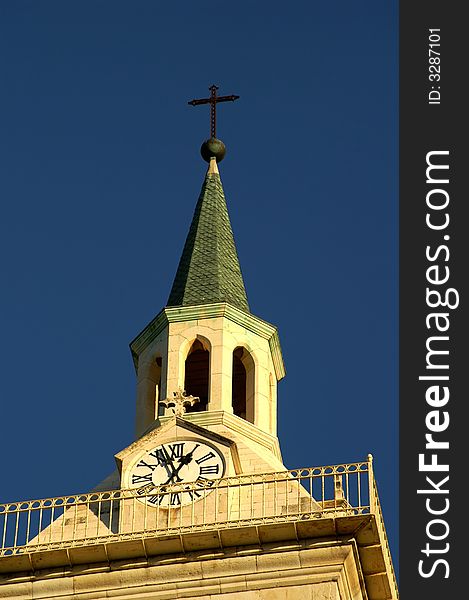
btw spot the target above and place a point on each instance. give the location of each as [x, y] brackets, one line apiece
[213, 100]
[179, 402]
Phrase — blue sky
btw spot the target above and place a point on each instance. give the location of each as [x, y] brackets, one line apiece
[100, 173]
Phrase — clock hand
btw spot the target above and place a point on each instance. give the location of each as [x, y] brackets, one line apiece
[184, 460]
[167, 459]
[174, 472]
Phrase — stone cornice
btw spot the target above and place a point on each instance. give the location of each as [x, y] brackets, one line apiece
[327, 546]
[245, 428]
[210, 311]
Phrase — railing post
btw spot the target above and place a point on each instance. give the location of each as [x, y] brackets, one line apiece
[338, 488]
[371, 484]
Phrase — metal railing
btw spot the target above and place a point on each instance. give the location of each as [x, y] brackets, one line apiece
[96, 517]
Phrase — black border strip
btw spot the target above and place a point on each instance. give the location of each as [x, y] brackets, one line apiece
[433, 257]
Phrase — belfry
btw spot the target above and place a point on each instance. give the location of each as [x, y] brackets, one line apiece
[200, 504]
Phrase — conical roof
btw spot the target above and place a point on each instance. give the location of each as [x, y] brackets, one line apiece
[209, 268]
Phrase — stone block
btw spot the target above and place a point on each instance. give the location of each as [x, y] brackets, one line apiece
[278, 561]
[17, 591]
[52, 588]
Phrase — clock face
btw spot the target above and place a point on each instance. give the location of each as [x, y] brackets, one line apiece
[189, 462]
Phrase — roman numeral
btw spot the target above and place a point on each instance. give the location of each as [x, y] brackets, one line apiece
[144, 489]
[156, 499]
[193, 494]
[204, 482]
[141, 478]
[175, 499]
[207, 469]
[177, 450]
[208, 456]
[160, 456]
[142, 463]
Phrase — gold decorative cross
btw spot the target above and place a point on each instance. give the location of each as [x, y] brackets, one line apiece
[213, 100]
[179, 402]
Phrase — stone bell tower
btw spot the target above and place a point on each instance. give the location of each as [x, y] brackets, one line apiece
[206, 342]
[201, 505]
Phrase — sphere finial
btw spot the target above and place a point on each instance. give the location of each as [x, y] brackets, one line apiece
[213, 147]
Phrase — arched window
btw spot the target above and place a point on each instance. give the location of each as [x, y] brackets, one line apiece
[196, 380]
[243, 384]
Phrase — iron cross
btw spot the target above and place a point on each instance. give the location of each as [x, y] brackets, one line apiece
[213, 106]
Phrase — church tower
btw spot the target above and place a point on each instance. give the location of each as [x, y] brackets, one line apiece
[208, 345]
[201, 504]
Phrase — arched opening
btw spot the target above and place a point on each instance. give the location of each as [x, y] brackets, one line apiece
[197, 375]
[243, 384]
[239, 385]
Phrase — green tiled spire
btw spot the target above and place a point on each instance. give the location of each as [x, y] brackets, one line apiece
[209, 268]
